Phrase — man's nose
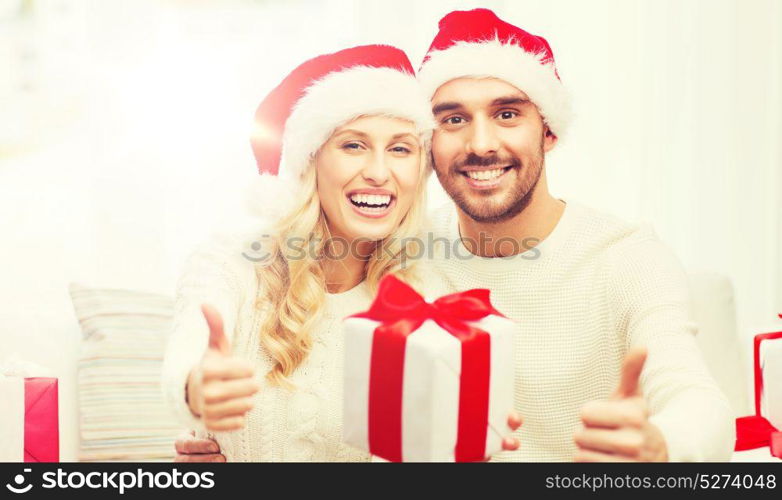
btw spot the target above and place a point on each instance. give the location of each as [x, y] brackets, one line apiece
[483, 141]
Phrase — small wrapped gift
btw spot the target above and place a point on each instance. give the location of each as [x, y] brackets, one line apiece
[763, 428]
[428, 381]
[29, 426]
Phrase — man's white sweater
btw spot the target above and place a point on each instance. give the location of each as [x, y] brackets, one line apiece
[590, 290]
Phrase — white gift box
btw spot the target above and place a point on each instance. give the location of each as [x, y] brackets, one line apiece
[771, 371]
[432, 417]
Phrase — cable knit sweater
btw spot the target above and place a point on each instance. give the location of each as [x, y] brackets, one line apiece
[590, 290]
[300, 425]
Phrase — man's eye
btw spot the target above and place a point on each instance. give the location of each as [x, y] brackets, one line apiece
[508, 115]
[454, 120]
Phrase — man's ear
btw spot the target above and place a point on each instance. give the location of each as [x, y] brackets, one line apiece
[549, 139]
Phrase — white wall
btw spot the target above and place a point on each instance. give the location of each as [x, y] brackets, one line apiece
[124, 126]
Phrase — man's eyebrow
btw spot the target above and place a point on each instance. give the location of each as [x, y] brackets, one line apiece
[445, 106]
[509, 100]
[500, 101]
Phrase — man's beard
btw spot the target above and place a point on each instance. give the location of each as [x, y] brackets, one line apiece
[480, 209]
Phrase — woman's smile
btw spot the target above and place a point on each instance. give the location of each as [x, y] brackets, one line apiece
[371, 202]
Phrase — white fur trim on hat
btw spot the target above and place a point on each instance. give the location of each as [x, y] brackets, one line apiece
[342, 96]
[505, 61]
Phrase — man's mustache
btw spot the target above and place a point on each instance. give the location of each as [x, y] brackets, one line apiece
[474, 160]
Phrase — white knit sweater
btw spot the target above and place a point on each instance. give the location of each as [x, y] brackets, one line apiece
[303, 425]
[597, 286]
[594, 287]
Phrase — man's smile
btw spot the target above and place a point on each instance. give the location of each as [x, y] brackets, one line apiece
[483, 178]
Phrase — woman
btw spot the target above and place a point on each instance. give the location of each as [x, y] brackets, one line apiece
[342, 141]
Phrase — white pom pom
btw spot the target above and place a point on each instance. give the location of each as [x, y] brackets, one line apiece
[270, 197]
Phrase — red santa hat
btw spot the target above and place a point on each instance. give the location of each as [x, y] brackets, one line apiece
[478, 44]
[324, 93]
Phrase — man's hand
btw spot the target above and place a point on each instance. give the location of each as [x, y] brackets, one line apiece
[192, 449]
[618, 429]
[220, 389]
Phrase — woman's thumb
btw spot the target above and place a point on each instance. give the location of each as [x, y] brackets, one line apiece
[217, 339]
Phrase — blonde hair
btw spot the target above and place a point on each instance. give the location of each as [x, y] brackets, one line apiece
[295, 288]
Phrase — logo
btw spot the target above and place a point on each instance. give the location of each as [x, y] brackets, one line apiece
[260, 254]
[19, 480]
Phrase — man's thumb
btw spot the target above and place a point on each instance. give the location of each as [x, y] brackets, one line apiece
[217, 338]
[632, 366]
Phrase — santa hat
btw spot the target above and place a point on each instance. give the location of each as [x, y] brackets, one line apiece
[478, 44]
[323, 93]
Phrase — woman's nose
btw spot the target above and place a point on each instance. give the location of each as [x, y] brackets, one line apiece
[376, 170]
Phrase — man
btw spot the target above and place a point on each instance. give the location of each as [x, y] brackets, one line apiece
[607, 368]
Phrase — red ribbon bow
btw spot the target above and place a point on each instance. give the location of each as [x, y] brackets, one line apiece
[401, 311]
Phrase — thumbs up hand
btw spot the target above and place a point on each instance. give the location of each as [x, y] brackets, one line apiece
[220, 388]
[618, 429]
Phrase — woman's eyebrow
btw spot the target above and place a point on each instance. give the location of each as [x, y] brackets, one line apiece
[403, 135]
[351, 131]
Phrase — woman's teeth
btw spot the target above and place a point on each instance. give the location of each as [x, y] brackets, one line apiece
[485, 175]
[371, 201]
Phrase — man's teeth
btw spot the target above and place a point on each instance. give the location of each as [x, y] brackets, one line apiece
[485, 175]
[371, 199]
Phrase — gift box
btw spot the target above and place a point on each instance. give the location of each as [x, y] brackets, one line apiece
[29, 418]
[763, 428]
[428, 381]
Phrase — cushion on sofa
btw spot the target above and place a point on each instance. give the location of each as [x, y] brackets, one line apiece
[122, 415]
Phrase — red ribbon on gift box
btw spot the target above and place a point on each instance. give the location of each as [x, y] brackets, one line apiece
[401, 311]
[756, 431]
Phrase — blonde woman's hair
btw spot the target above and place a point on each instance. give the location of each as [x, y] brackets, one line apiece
[295, 288]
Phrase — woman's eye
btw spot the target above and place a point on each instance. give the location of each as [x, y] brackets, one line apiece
[351, 145]
[400, 149]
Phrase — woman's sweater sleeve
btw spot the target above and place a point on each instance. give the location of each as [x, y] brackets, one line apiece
[210, 275]
[649, 289]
